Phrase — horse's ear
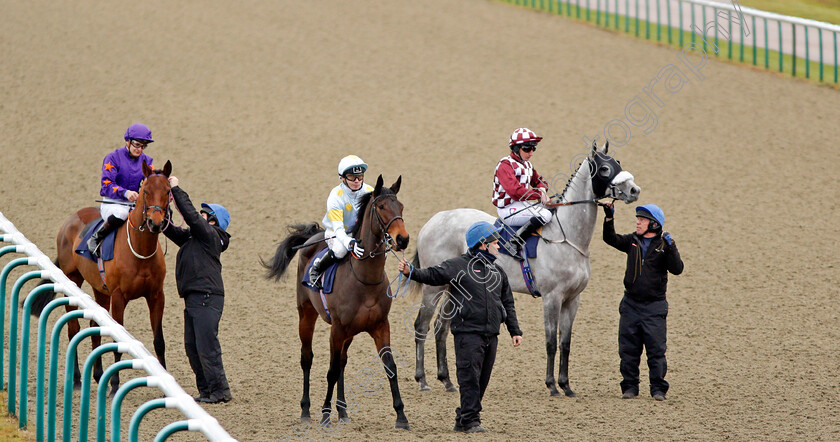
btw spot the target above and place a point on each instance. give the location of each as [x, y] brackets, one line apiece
[167, 168]
[378, 187]
[146, 169]
[396, 186]
[606, 146]
[594, 147]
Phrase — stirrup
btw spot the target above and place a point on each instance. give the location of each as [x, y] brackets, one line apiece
[315, 275]
[96, 246]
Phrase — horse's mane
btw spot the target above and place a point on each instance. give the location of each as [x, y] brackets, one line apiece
[571, 177]
[363, 203]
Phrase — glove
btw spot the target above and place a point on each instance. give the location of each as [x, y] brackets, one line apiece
[356, 249]
[609, 211]
[667, 237]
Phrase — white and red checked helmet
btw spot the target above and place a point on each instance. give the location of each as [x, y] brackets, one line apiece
[523, 135]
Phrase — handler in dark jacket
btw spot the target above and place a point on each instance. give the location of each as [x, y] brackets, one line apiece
[198, 274]
[482, 301]
[651, 254]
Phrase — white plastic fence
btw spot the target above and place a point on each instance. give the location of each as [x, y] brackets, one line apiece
[197, 419]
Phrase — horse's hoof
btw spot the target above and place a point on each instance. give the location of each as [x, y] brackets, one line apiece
[113, 392]
[567, 390]
[344, 420]
[402, 426]
[425, 387]
[305, 419]
[77, 387]
[555, 393]
[451, 389]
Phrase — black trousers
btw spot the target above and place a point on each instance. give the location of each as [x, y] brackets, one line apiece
[642, 325]
[474, 358]
[201, 329]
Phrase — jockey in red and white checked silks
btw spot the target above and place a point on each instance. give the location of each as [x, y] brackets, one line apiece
[517, 187]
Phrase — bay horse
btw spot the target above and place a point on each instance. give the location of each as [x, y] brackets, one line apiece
[360, 301]
[137, 270]
[561, 268]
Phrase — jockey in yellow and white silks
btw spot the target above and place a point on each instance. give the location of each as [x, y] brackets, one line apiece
[342, 205]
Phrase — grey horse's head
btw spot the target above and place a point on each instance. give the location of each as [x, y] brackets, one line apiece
[608, 179]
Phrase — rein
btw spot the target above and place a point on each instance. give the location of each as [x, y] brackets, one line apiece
[612, 192]
[386, 240]
[167, 218]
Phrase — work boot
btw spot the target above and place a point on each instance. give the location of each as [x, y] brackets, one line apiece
[318, 267]
[518, 241]
[458, 427]
[476, 429]
[629, 394]
[107, 227]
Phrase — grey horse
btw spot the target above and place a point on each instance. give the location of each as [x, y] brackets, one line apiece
[561, 269]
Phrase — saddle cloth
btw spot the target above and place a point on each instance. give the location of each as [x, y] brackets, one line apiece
[106, 249]
[327, 278]
[507, 232]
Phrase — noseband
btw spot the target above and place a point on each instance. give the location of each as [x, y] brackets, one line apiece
[383, 226]
[147, 220]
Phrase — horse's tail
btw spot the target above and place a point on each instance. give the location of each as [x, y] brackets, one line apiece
[298, 234]
[42, 299]
[414, 286]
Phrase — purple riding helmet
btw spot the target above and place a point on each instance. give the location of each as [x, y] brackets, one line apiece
[140, 132]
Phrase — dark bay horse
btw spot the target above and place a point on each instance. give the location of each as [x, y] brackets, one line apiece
[360, 301]
[137, 270]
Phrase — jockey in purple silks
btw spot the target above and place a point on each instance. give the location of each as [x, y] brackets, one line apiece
[122, 172]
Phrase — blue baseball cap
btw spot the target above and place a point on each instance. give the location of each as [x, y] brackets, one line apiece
[219, 212]
[481, 232]
[652, 212]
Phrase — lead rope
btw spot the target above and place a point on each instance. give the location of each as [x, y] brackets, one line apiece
[401, 286]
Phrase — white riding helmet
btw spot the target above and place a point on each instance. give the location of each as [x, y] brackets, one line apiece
[351, 164]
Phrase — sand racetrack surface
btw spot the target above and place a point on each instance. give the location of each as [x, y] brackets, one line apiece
[255, 102]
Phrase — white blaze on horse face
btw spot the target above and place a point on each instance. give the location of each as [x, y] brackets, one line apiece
[628, 190]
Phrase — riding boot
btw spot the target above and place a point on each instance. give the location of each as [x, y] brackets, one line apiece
[522, 234]
[107, 227]
[319, 266]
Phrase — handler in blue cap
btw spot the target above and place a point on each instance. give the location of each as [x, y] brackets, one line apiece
[651, 254]
[198, 275]
[483, 300]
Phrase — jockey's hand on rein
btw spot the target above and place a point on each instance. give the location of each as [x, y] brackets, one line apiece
[357, 249]
[667, 237]
[609, 210]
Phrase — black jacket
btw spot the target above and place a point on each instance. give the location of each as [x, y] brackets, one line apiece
[197, 266]
[480, 294]
[646, 277]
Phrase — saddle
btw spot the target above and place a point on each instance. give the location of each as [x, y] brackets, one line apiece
[507, 232]
[106, 249]
[530, 252]
[327, 277]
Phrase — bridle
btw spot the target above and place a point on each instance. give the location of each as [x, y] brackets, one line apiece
[611, 191]
[167, 219]
[386, 239]
[383, 226]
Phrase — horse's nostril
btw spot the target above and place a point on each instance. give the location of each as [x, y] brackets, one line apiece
[634, 190]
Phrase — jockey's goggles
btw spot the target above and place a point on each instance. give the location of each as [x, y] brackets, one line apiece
[354, 177]
[139, 144]
[527, 148]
